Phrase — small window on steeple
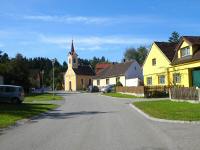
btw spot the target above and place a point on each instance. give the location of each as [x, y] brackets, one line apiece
[69, 60]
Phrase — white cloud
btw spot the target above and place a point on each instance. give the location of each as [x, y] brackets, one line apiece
[95, 42]
[94, 19]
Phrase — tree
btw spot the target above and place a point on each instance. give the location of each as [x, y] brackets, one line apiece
[174, 37]
[131, 54]
[142, 53]
[138, 54]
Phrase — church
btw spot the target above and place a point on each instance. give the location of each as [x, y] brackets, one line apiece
[77, 77]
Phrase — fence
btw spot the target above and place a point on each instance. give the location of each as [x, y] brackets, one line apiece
[184, 93]
[139, 90]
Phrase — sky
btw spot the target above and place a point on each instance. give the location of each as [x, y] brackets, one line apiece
[45, 28]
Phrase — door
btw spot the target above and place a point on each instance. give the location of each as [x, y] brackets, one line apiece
[196, 78]
[70, 85]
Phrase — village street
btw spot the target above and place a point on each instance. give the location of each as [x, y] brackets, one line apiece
[95, 122]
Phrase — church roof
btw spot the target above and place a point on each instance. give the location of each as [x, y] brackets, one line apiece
[84, 70]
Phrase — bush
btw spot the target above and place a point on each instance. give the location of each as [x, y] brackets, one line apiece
[119, 83]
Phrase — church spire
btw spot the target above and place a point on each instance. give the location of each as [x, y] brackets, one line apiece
[72, 48]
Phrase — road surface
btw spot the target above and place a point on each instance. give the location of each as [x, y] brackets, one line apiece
[94, 122]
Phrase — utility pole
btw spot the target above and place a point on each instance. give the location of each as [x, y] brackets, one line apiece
[53, 62]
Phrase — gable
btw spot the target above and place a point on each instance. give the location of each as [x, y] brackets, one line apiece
[162, 62]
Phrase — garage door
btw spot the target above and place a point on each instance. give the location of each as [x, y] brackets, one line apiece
[196, 78]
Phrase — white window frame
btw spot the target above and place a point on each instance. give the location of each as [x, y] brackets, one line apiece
[149, 79]
[185, 51]
[161, 79]
[176, 78]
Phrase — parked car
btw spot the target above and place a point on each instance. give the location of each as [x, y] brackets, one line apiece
[11, 94]
[108, 88]
[92, 89]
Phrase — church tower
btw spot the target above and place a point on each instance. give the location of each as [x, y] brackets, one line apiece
[72, 58]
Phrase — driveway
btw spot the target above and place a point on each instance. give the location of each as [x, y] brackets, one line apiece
[94, 122]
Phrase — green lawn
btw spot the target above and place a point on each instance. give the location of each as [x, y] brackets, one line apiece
[170, 110]
[10, 113]
[120, 95]
[41, 97]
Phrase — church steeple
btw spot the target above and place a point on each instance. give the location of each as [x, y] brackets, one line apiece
[72, 57]
[72, 48]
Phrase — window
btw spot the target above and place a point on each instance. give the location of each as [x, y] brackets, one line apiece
[185, 51]
[74, 60]
[107, 81]
[153, 62]
[69, 60]
[90, 81]
[98, 82]
[149, 80]
[117, 79]
[135, 68]
[81, 81]
[161, 79]
[176, 78]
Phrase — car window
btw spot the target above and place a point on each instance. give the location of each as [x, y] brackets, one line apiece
[10, 89]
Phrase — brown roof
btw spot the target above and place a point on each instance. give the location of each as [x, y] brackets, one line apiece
[114, 70]
[193, 40]
[84, 70]
[101, 66]
[167, 48]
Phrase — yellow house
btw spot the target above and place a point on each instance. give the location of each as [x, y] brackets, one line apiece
[185, 68]
[178, 64]
[155, 67]
[77, 77]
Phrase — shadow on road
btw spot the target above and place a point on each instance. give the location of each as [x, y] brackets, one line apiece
[59, 115]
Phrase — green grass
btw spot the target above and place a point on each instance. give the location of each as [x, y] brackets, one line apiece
[120, 95]
[10, 113]
[41, 97]
[171, 110]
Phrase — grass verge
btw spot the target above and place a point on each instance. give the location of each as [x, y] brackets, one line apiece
[120, 95]
[41, 97]
[32, 106]
[170, 110]
[10, 113]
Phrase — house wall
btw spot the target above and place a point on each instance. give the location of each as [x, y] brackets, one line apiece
[1, 80]
[161, 67]
[85, 84]
[70, 76]
[112, 80]
[134, 71]
[132, 82]
[185, 72]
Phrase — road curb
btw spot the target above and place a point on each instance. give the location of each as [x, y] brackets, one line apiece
[162, 120]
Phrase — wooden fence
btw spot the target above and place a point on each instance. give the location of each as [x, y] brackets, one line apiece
[184, 93]
[156, 91]
[132, 90]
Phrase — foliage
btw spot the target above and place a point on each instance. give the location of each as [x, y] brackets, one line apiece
[174, 38]
[119, 83]
[166, 109]
[138, 54]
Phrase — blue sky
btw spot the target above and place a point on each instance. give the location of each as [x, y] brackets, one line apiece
[99, 28]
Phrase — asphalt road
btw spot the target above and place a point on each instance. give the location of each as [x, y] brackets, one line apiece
[94, 122]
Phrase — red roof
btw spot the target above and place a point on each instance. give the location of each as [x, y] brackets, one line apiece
[101, 66]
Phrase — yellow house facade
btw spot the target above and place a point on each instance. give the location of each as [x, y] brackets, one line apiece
[174, 65]
[77, 77]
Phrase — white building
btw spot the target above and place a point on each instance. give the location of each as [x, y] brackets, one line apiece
[128, 73]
